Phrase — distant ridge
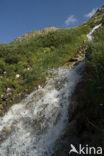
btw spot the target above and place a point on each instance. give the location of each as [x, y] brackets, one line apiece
[34, 33]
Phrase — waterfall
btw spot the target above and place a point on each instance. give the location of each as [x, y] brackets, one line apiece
[31, 127]
[89, 35]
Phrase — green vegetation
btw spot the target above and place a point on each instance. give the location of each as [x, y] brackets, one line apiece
[95, 81]
[25, 64]
[94, 21]
[32, 58]
[93, 91]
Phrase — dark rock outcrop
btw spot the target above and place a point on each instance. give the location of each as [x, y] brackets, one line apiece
[99, 12]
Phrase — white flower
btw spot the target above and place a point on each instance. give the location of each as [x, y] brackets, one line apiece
[17, 75]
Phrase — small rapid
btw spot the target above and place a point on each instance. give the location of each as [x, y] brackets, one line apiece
[32, 127]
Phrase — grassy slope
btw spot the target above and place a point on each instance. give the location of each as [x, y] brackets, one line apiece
[40, 53]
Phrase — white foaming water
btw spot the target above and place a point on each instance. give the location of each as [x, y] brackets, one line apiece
[89, 35]
[32, 127]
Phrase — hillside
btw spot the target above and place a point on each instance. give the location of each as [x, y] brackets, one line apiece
[51, 90]
[25, 63]
[93, 90]
[32, 34]
[86, 125]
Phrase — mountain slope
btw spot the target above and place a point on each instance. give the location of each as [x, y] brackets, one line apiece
[35, 124]
[25, 63]
[93, 90]
[86, 127]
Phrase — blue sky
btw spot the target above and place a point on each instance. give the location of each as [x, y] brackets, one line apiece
[21, 16]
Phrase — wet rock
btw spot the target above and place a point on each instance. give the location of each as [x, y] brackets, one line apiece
[18, 98]
[4, 97]
[73, 59]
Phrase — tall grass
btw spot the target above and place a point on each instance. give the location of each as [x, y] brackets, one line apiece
[32, 58]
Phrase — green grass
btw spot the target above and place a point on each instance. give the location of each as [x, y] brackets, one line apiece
[95, 69]
[93, 91]
[38, 54]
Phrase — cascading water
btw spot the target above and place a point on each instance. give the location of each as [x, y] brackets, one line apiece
[32, 127]
[89, 35]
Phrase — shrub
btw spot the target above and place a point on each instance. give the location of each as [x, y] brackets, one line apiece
[12, 59]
